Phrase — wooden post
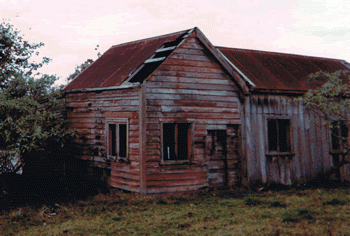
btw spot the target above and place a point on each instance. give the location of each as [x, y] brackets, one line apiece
[142, 130]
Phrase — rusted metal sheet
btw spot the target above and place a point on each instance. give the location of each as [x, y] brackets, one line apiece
[280, 72]
[115, 65]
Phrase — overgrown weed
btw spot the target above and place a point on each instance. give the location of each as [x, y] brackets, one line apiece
[195, 213]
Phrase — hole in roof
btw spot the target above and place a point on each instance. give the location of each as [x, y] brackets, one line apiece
[148, 68]
[145, 72]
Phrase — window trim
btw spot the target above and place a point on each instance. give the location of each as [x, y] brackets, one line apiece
[117, 122]
[189, 141]
[289, 137]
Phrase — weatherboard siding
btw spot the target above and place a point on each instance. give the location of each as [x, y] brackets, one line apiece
[190, 87]
[310, 142]
[88, 112]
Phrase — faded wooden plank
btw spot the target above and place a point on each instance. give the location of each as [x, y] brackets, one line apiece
[193, 109]
[191, 86]
[172, 183]
[177, 189]
[189, 69]
[125, 175]
[124, 186]
[192, 97]
[190, 51]
[191, 45]
[153, 168]
[193, 115]
[177, 176]
[191, 92]
[185, 58]
[182, 80]
[153, 151]
[115, 114]
[189, 74]
[124, 181]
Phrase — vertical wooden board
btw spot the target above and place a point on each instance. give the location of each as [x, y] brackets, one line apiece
[273, 170]
[314, 149]
[288, 171]
[243, 149]
[295, 160]
[303, 151]
[284, 105]
[143, 139]
[255, 165]
[265, 104]
[327, 159]
[248, 139]
[261, 104]
[261, 145]
[282, 170]
[320, 149]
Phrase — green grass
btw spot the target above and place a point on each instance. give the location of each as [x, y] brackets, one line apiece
[237, 212]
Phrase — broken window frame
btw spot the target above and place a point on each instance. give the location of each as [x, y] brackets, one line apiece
[174, 151]
[278, 147]
[117, 147]
[339, 135]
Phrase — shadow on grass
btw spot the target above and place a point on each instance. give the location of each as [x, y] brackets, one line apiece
[51, 186]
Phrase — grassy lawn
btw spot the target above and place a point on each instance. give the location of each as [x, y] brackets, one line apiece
[237, 212]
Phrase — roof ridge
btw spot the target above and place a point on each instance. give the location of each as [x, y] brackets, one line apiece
[155, 37]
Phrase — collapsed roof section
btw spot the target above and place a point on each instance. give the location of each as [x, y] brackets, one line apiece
[120, 61]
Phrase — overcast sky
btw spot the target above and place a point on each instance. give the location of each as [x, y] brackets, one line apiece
[72, 29]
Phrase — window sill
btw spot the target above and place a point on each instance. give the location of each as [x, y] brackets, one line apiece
[280, 154]
[336, 152]
[171, 163]
[118, 160]
[273, 156]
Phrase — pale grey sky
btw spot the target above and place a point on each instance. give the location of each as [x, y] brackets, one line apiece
[72, 29]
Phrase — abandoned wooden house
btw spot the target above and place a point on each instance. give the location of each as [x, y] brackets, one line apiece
[175, 113]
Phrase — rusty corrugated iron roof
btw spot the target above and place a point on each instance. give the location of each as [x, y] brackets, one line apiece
[268, 71]
[115, 65]
[271, 71]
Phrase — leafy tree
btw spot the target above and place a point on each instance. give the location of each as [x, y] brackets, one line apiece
[83, 66]
[331, 101]
[79, 69]
[31, 112]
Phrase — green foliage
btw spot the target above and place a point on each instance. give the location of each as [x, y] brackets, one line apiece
[31, 111]
[79, 69]
[330, 100]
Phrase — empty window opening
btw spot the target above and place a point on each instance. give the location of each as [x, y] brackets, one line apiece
[122, 140]
[112, 140]
[117, 140]
[339, 136]
[279, 135]
[176, 141]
